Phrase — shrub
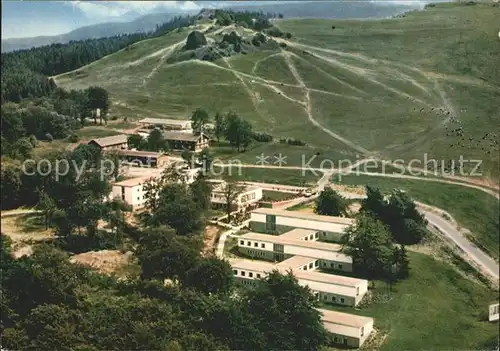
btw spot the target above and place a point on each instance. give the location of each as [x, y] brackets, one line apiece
[114, 118]
[33, 140]
[49, 137]
[288, 35]
[274, 32]
[333, 27]
[262, 137]
[74, 138]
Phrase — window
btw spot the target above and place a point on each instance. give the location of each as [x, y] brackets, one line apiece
[362, 331]
[311, 236]
[340, 266]
[341, 300]
[258, 275]
[263, 246]
[305, 268]
[270, 223]
[249, 243]
[305, 238]
[235, 272]
[332, 265]
[316, 235]
[250, 274]
[242, 273]
[333, 298]
[256, 244]
[310, 265]
[357, 291]
[324, 234]
[138, 198]
[242, 242]
[316, 263]
[323, 264]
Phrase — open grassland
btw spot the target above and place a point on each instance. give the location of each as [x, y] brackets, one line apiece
[263, 175]
[471, 208]
[298, 156]
[426, 310]
[396, 88]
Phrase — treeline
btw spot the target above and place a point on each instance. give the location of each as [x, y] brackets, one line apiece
[47, 118]
[25, 72]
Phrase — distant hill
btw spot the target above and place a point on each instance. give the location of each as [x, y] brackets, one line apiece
[142, 24]
[330, 9]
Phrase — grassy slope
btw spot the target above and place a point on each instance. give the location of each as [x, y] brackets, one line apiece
[457, 45]
[393, 73]
[473, 209]
[435, 309]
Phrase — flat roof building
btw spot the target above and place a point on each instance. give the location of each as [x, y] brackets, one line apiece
[247, 198]
[280, 247]
[273, 221]
[347, 329]
[166, 123]
[328, 288]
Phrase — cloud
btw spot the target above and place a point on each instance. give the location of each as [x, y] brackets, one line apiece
[112, 10]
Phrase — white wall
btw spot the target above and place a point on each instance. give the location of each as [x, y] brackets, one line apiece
[245, 198]
[267, 246]
[134, 196]
[301, 223]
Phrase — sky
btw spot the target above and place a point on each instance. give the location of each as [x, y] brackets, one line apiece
[35, 18]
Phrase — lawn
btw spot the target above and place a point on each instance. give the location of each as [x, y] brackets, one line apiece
[95, 132]
[274, 196]
[298, 156]
[266, 175]
[472, 209]
[435, 309]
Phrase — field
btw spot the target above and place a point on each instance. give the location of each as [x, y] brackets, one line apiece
[265, 175]
[425, 311]
[472, 209]
[394, 88]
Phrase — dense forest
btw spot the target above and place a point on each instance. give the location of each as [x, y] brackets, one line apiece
[25, 73]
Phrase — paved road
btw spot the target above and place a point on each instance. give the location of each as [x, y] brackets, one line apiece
[228, 234]
[471, 250]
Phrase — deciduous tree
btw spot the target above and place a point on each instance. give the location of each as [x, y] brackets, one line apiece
[210, 276]
[330, 203]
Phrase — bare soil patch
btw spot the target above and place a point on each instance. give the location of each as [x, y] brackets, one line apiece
[104, 261]
[210, 237]
[26, 228]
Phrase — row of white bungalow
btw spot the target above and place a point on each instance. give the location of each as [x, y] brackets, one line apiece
[305, 245]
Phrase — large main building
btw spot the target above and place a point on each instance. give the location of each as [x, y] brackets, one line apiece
[272, 221]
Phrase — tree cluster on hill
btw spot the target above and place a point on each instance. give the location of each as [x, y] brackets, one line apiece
[236, 130]
[330, 203]
[25, 73]
[56, 116]
[374, 255]
[257, 20]
[399, 212]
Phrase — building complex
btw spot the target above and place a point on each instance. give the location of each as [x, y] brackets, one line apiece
[304, 245]
[273, 221]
